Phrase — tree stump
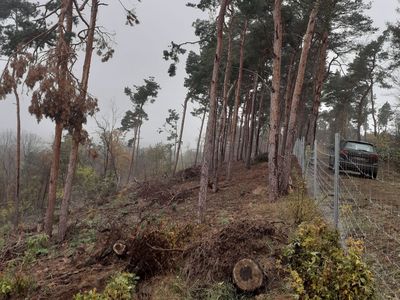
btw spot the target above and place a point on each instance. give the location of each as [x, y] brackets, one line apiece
[119, 248]
[247, 275]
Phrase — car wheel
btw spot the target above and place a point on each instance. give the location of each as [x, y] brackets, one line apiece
[374, 173]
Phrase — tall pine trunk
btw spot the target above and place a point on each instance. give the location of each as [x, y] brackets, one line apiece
[273, 139]
[240, 136]
[132, 162]
[180, 133]
[252, 125]
[55, 166]
[244, 145]
[259, 123]
[373, 110]
[232, 134]
[320, 77]
[288, 101]
[77, 134]
[293, 120]
[225, 97]
[199, 138]
[63, 59]
[208, 145]
[73, 157]
[18, 160]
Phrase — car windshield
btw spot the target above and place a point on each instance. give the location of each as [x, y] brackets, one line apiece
[359, 147]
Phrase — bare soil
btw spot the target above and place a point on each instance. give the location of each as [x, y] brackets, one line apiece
[157, 222]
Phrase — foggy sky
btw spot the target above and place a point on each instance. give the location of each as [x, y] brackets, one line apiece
[138, 55]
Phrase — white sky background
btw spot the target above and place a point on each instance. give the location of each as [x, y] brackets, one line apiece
[138, 55]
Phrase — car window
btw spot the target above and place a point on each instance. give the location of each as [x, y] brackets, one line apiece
[359, 147]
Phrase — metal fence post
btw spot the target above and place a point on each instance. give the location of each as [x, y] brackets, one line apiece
[315, 169]
[336, 182]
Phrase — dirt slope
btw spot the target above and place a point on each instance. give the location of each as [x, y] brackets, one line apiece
[240, 223]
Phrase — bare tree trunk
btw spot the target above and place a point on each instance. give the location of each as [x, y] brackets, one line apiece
[287, 165]
[243, 140]
[320, 77]
[132, 162]
[62, 55]
[62, 229]
[199, 139]
[55, 166]
[18, 160]
[224, 129]
[232, 134]
[239, 139]
[360, 112]
[138, 145]
[259, 123]
[220, 131]
[273, 139]
[252, 125]
[373, 110]
[181, 133]
[288, 101]
[208, 151]
[225, 137]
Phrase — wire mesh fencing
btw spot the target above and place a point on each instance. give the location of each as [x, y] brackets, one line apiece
[359, 206]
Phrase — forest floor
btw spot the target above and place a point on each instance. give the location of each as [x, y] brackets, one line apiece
[174, 257]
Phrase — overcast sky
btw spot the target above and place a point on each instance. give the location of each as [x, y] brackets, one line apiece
[138, 55]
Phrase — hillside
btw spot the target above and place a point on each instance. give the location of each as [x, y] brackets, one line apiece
[172, 255]
[240, 223]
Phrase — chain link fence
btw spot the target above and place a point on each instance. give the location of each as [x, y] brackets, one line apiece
[360, 207]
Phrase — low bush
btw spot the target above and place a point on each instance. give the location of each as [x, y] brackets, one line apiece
[15, 285]
[321, 269]
[120, 287]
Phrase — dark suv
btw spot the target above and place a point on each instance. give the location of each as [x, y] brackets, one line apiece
[357, 156]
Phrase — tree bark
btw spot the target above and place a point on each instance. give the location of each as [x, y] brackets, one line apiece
[132, 154]
[208, 149]
[73, 158]
[18, 160]
[55, 166]
[273, 139]
[199, 139]
[360, 111]
[221, 125]
[259, 123]
[320, 77]
[138, 144]
[240, 136]
[293, 120]
[244, 139]
[252, 121]
[62, 56]
[288, 101]
[77, 134]
[224, 129]
[226, 135]
[232, 134]
[180, 133]
[373, 111]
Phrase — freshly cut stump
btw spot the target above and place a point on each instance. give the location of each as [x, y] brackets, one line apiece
[119, 248]
[247, 275]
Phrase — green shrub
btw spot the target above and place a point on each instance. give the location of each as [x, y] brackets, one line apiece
[15, 284]
[89, 295]
[121, 287]
[221, 291]
[36, 245]
[321, 269]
